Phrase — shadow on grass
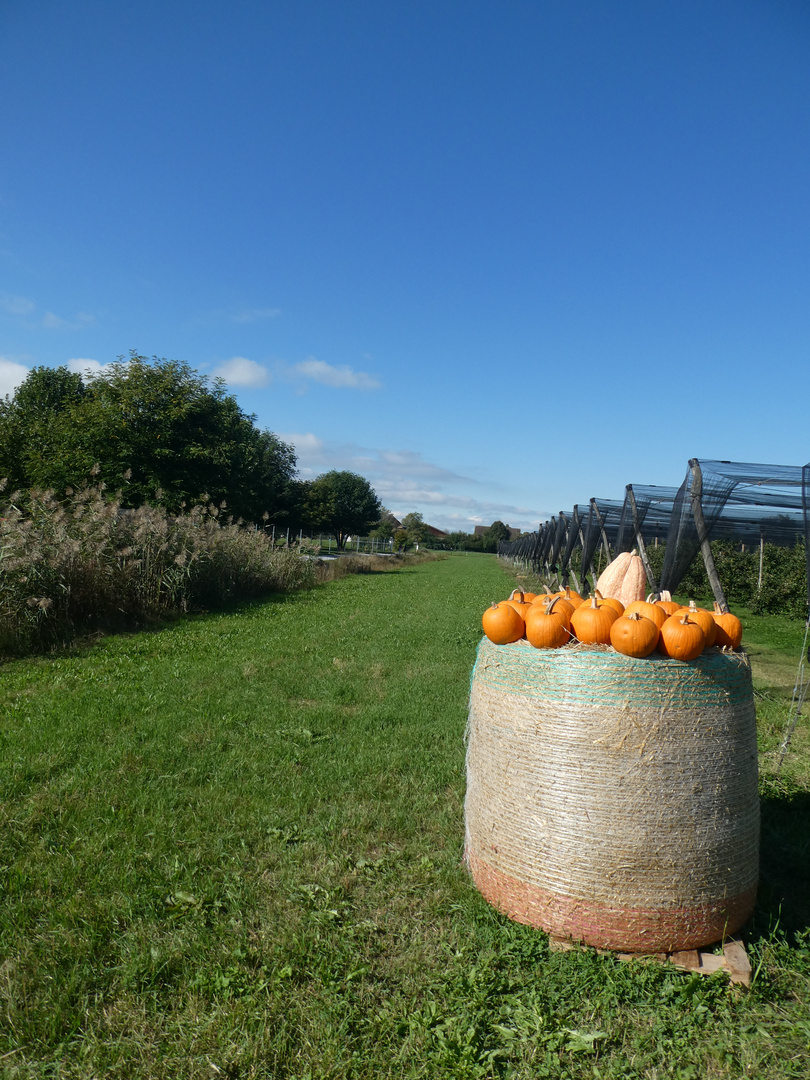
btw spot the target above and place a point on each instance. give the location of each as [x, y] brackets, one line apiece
[784, 886]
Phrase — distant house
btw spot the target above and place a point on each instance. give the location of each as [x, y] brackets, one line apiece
[436, 532]
[479, 530]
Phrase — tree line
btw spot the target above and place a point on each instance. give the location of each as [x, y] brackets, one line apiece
[156, 432]
[161, 434]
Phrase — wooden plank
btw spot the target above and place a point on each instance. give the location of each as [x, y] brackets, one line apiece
[733, 960]
[690, 959]
[737, 962]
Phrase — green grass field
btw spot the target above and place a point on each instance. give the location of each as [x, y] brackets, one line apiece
[233, 848]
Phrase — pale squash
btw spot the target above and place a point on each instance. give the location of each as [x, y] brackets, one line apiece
[623, 579]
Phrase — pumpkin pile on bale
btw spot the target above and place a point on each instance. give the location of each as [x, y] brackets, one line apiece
[611, 800]
[617, 615]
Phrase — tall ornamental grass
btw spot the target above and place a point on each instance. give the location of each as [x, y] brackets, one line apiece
[86, 564]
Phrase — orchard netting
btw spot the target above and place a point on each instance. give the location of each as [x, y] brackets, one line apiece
[747, 504]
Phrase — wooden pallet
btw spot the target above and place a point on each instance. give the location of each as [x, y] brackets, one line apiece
[733, 960]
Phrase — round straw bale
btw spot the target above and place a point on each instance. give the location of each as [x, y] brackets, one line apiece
[612, 800]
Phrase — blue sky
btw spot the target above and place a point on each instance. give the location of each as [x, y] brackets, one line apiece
[496, 257]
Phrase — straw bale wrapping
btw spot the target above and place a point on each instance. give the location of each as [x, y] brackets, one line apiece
[612, 800]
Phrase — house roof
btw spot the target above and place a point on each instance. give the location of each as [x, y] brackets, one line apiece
[479, 530]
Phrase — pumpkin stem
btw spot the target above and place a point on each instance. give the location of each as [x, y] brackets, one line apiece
[635, 616]
[519, 592]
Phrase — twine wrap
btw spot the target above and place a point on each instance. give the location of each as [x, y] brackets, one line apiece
[610, 800]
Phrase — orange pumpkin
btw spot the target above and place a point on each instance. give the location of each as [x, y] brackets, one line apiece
[681, 638]
[561, 604]
[634, 635]
[705, 621]
[502, 623]
[729, 628]
[591, 622]
[649, 611]
[612, 601]
[571, 596]
[665, 602]
[545, 598]
[547, 627]
[518, 603]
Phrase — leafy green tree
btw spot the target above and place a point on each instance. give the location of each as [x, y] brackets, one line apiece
[343, 504]
[401, 540]
[156, 430]
[33, 426]
[415, 527]
[496, 533]
[384, 528]
[463, 541]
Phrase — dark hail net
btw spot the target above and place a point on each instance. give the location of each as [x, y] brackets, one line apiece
[604, 516]
[739, 501]
[734, 500]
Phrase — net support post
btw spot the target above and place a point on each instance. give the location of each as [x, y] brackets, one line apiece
[705, 546]
[642, 550]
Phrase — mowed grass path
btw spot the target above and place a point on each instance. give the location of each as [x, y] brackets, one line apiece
[233, 848]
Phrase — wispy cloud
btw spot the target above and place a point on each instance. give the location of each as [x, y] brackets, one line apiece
[405, 481]
[56, 322]
[12, 374]
[318, 371]
[16, 305]
[239, 371]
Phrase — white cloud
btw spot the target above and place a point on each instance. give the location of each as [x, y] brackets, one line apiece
[239, 371]
[405, 481]
[308, 445]
[16, 305]
[85, 367]
[11, 375]
[319, 371]
[250, 315]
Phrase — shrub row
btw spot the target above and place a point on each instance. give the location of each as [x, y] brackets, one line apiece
[784, 577]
